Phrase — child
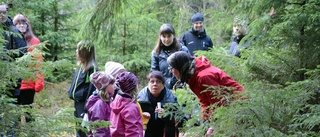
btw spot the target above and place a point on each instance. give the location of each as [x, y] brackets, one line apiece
[98, 104]
[125, 115]
[115, 68]
[81, 88]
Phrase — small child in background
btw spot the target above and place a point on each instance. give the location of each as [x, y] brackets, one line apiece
[125, 114]
[98, 104]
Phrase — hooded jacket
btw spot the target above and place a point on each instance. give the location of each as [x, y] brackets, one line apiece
[125, 117]
[196, 41]
[159, 62]
[98, 110]
[38, 84]
[157, 126]
[206, 74]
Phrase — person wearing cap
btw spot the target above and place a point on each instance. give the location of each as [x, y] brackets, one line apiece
[98, 104]
[125, 114]
[197, 38]
[239, 31]
[199, 74]
[159, 125]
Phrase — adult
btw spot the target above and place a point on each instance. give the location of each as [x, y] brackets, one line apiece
[239, 31]
[199, 74]
[159, 125]
[13, 41]
[166, 45]
[28, 86]
[81, 87]
[197, 38]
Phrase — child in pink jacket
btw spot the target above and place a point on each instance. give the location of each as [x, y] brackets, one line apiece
[125, 115]
[98, 104]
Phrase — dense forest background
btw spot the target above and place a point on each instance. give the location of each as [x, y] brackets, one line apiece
[280, 71]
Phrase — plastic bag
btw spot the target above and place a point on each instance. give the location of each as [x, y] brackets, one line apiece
[85, 121]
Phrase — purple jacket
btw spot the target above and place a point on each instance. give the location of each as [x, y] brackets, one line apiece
[125, 117]
[98, 110]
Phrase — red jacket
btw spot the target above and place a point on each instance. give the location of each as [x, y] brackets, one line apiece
[206, 74]
[37, 85]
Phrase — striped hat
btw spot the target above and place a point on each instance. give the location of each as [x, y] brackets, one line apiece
[113, 67]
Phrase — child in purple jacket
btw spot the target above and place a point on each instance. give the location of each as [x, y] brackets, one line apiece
[98, 104]
[125, 115]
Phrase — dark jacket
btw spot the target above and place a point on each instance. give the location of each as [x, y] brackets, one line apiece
[234, 49]
[13, 40]
[148, 103]
[159, 62]
[80, 85]
[195, 41]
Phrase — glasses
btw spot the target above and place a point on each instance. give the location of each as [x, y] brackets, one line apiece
[155, 82]
[21, 24]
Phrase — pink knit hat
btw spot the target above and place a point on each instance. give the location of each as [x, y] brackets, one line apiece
[127, 81]
[101, 79]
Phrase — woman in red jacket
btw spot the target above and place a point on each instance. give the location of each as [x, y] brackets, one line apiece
[29, 86]
[200, 75]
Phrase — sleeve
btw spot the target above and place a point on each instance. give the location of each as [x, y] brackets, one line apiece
[210, 43]
[183, 40]
[39, 82]
[99, 112]
[132, 121]
[20, 43]
[154, 62]
[185, 49]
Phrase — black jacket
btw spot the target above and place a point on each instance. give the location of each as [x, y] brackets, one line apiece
[195, 41]
[156, 126]
[14, 40]
[159, 62]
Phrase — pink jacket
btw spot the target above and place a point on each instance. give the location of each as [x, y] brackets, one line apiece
[125, 117]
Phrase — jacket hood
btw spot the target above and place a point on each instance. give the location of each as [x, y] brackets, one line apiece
[120, 101]
[202, 63]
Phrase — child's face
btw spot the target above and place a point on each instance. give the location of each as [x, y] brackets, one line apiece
[110, 89]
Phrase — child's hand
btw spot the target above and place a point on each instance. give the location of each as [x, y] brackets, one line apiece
[146, 115]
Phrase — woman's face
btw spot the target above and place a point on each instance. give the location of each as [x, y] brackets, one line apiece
[155, 86]
[175, 72]
[22, 26]
[166, 39]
